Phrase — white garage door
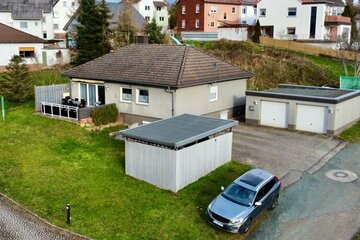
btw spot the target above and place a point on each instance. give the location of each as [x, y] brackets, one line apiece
[311, 118]
[274, 114]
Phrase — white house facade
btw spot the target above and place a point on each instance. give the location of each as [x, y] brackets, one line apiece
[248, 13]
[293, 19]
[157, 9]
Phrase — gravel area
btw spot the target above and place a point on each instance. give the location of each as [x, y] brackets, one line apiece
[16, 223]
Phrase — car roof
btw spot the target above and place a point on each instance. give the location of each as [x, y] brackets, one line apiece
[254, 179]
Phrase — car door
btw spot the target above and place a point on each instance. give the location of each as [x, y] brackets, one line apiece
[259, 196]
[269, 193]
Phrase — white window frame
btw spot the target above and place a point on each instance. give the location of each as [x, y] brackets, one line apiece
[213, 9]
[214, 93]
[197, 23]
[197, 8]
[183, 23]
[87, 93]
[121, 95]
[233, 10]
[138, 96]
[291, 28]
[183, 9]
[292, 9]
[212, 24]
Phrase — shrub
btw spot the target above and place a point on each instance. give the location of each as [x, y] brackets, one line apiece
[105, 114]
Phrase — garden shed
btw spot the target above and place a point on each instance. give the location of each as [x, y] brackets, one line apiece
[175, 152]
[304, 108]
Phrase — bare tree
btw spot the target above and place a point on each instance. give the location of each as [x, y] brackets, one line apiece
[349, 54]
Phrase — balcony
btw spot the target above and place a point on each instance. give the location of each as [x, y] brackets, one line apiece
[337, 20]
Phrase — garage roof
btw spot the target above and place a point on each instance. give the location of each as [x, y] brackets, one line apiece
[179, 131]
[307, 93]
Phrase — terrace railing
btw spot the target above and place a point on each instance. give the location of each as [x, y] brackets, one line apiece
[59, 110]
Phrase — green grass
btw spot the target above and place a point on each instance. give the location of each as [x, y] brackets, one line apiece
[47, 163]
[48, 77]
[352, 134]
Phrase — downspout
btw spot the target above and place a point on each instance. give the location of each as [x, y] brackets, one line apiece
[168, 90]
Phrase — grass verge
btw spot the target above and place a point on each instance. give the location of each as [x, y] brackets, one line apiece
[352, 134]
[46, 163]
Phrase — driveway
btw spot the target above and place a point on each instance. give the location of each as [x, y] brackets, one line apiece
[287, 154]
[17, 223]
[317, 207]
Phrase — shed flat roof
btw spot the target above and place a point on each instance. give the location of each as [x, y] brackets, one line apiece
[179, 131]
[307, 93]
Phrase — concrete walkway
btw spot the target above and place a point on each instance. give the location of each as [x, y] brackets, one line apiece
[16, 223]
[317, 207]
[286, 154]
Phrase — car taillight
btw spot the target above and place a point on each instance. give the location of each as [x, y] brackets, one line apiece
[278, 180]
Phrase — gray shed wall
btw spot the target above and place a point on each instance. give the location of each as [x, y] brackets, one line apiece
[173, 170]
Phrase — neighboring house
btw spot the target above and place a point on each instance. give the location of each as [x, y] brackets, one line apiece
[150, 9]
[15, 42]
[42, 18]
[304, 19]
[305, 108]
[149, 82]
[209, 15]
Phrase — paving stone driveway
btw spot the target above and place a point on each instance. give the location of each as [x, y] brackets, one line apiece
[284, 153]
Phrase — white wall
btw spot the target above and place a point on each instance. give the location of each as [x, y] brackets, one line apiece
[52, 58]
[237, 34]
[9, 50]
[250, 16]
[140, 6]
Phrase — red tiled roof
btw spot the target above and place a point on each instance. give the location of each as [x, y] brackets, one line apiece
[12, 35]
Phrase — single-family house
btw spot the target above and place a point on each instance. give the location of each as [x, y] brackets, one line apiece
[150, 9]
[149, 82]
[304, 108]
[15, 42]
[208, 15]
[304, 19]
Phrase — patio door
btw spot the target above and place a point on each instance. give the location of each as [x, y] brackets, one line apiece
[101, 94]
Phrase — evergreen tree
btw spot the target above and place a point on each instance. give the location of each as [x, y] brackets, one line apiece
[350, 12]
[91, 39]
[15, 84]
[125, 32]
[154, 32]
[257, 34]
[105, 15]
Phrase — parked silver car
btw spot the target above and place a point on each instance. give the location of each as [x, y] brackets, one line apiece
[253, 192]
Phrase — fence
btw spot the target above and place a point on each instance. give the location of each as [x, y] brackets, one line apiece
[59, 110]
[306, 48]
[50, 94]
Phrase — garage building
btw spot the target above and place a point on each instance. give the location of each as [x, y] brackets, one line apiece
[304, 108]
[177, 151]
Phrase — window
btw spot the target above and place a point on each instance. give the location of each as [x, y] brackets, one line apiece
[45, 35]
[56, 14]
[147, 18]
[213, 93]
[197, 8]
[291, 30]
[43, 20]
[244, 10]
[90, 93]
[161, 19]
[269, 186]
[64, 4]
[183, 9]
[158, 8]
[83, 91]
[23, 25]
[225, 15]
[233, 10]
[126, 94]
[262, 12]
[142, 96]
[27, 53]
[212, 24]
[345, 33]
[255, 11]
[243, 21]
[197, 23]
[213, 9]
[147, 8]
[183, 23]
[36, 24]
[73, 4]
[292, 12]
[260, 195]
[56, 26]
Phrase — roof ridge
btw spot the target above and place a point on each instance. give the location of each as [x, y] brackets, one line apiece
[182, 66]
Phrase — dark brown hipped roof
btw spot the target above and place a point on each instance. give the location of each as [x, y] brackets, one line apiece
[159, 65]
[12, 35]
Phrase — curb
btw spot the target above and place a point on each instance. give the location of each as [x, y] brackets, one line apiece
[38, 220]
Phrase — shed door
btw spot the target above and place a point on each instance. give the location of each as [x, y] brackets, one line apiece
[274, 114]
[311, 118]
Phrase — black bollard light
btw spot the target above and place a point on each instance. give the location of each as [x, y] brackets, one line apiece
[68, 212]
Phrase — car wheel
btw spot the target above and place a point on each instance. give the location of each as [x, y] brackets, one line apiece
[274, 202]
[246, 226]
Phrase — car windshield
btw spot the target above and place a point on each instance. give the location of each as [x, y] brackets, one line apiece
[239, 194]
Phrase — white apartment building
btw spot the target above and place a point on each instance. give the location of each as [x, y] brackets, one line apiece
[157, 9]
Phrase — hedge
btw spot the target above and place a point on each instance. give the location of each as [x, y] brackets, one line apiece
[105, 114]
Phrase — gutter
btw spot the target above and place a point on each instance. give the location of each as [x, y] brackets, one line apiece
[171, 91]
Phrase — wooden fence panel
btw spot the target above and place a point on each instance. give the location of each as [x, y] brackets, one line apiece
[51, 94]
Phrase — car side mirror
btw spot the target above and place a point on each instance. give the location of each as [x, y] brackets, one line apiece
[222, 188]
[258, 204]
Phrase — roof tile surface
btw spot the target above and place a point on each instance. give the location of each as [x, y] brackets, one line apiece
[12, 35]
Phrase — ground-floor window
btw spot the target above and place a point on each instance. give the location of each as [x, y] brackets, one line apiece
[142, 96]
[93, 94]
[27, 52]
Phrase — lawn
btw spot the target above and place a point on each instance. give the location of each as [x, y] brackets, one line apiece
[352, 134]
[46, 163]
